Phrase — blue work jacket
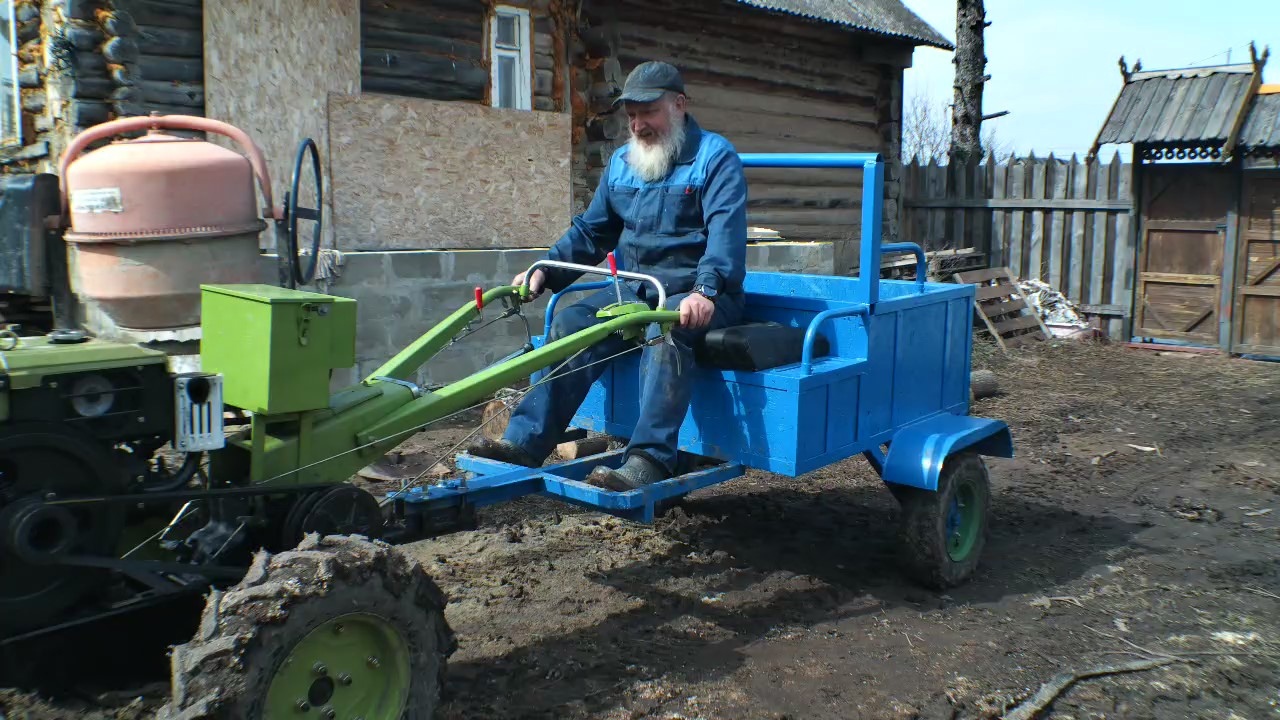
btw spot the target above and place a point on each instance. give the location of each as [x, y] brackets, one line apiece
[687, 229]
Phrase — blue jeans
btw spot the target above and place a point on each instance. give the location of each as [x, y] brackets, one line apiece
[666, 369]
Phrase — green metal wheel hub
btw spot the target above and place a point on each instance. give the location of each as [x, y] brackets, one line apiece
[963, 520]
[353, 666]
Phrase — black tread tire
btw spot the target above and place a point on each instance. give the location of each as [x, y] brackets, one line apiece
[924, 521]
[224, 672]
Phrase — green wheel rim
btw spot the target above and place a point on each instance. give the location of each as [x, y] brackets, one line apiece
[353, 666]
[963, 521]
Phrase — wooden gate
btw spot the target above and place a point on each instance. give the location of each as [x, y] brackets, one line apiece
[1180, 264]
[1255, 326]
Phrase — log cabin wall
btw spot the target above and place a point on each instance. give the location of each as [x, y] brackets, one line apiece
[158, 61]
[818, 88]
[84, 62]
[437, 49]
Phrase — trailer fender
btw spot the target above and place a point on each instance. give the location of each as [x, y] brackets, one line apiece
[917, 451]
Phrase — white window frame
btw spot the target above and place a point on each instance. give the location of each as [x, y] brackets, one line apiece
[522, 54]
[10, 56]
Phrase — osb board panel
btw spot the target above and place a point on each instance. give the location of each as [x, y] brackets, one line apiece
[426, 174]
[269, 68]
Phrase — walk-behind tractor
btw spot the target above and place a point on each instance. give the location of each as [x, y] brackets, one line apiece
[310, 612]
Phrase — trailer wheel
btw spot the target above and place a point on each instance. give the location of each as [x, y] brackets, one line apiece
[341, 627]
[944, 532]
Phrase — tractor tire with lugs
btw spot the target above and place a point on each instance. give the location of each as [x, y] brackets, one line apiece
[341, 626]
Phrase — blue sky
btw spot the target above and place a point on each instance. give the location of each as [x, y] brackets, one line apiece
[1054, 64]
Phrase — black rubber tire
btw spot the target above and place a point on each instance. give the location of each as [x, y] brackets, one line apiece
[247, 631]
[923, 532]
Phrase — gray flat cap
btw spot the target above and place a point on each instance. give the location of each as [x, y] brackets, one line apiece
[648, 81]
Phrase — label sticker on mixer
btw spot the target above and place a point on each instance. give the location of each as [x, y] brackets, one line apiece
[97, 200]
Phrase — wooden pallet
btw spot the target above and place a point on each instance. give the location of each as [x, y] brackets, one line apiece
[942, 264]
[1008, 316]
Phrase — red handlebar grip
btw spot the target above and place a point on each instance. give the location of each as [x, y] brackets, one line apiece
[479, 298]
[613, 265]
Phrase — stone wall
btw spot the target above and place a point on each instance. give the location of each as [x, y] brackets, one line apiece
[401, 295]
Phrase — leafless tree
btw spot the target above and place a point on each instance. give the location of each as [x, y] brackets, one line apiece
[971, 61]
[926, 133]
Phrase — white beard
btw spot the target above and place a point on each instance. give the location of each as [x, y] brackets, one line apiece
[654, 161]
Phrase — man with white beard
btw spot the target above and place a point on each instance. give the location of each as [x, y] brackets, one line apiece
[672, 204]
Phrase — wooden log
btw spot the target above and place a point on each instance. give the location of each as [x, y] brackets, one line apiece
[90, 87]
[428, 89]
[119, 24]
[86, 113]
[170, 41]
[542, 81]
[34, 101]
[172, 93]
[411, 65]
[79, 35]
[166, 67]
[455, 48]
[90, 62]
[983, 384]
[82, 9]
[575, 449]
[146, 108]
[121, 50]
[428, 21]
[182, 14]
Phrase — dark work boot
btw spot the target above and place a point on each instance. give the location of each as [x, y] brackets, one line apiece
[636, 472]
[502, 451]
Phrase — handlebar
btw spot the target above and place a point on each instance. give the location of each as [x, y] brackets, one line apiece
[922, 264]
[662, 292]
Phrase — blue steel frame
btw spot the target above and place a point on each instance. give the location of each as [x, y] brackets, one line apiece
[916, 448]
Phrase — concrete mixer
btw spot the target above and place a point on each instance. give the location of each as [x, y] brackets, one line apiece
[136, 225]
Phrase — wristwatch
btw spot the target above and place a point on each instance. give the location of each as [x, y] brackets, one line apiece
[704, 291]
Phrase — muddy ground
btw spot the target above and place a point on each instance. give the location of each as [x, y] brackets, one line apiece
[1139, 522]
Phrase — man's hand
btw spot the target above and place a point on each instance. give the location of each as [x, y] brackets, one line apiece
[696, 312]
[536, 282]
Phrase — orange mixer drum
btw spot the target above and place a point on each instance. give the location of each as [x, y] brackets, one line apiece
[154, 217]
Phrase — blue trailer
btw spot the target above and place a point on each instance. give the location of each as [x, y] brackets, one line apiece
[881, 369]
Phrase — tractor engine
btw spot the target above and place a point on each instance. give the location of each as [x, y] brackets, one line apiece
[81, 420]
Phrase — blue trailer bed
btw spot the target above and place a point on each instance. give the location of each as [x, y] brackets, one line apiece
[892, 385]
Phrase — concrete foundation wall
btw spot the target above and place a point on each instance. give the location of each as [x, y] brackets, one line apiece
[401, 295]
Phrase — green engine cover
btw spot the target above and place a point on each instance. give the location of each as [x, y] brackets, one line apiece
[26, 363]
[275, 347]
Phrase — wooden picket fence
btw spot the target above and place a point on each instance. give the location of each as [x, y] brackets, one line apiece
[1068, 223]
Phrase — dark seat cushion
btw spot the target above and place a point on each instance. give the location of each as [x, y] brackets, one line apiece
[755, 346]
